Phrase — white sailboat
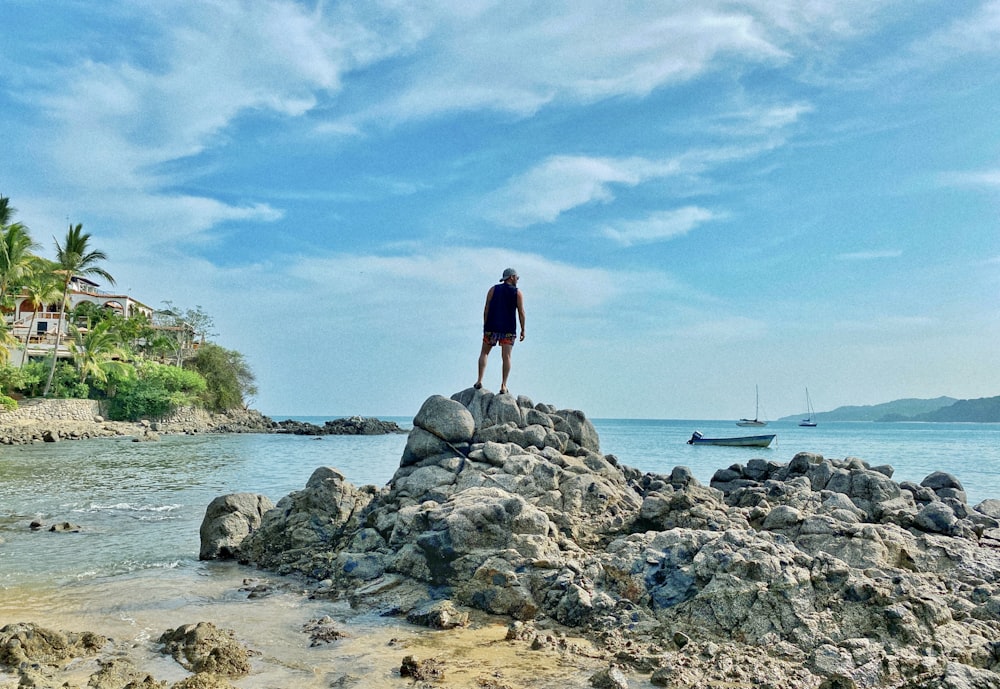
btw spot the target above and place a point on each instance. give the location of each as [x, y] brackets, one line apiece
[755, 421]
[808, 422]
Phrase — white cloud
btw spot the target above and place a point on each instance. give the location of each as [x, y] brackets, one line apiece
[659, 226]
[381, 331]
[989, 179]
[560, 183]
[977, 33]
[517, 57]
[110, 127]
[874, 255]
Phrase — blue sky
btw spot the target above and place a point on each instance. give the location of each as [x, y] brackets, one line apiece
[699, 197]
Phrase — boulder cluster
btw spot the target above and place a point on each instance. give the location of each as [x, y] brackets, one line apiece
[40, 657]
[352, 425]
[812, 573]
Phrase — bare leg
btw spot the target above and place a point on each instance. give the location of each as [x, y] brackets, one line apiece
[484, 354]
[505, 351]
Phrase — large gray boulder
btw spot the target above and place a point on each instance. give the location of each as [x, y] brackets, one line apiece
[229, 519]
[305, 529]
[438, 427]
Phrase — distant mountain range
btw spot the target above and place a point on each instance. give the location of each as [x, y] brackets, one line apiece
[939, 409]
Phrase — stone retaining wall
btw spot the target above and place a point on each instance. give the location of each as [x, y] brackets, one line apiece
[35, 410]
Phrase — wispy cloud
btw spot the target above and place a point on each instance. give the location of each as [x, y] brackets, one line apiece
[110, 130]
[977, 33]
[560, 183]
[515, 57]
[659, 226]
[876, 255]
[982, 178]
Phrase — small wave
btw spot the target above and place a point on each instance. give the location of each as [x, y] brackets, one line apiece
[127, 567]
[129, 507]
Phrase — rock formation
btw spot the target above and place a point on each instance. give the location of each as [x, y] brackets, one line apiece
[352, 425]
[812, 573]
[40, 655]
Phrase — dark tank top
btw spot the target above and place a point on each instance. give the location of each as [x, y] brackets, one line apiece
[501, 317]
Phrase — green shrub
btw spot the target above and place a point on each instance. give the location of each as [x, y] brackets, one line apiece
[27, 380]
[7, 403]
[66, 383]
[172, 378]
[230, 380]
[140, 399]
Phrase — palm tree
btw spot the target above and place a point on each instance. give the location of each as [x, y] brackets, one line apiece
[15, 261]
[7, 342]
[41, 287]
[74, 257]
[96, 351]
[16, 258]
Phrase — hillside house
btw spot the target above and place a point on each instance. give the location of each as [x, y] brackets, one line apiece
[36, 328]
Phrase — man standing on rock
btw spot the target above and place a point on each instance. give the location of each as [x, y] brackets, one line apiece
[503, 301]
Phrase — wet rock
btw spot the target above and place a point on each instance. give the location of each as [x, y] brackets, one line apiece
[120, 673]
[354, 425]
[438, 615]
[65, 527]
[32, 644]
[322, 631]
[612, 678]
[305, 527]
[204, 648]
[203, 680]
[228, 520]
[430, 670]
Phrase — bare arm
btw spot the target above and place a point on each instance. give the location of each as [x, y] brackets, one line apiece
[486, 309]
[520, 310]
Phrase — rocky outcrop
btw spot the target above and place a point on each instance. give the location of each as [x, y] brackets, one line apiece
[195, 420]
[38, 420]
[812, 573]
[352, 425]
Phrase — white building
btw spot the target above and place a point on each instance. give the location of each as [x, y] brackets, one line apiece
[37, 327]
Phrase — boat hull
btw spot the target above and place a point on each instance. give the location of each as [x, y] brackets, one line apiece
[751, 422]
[744, 441]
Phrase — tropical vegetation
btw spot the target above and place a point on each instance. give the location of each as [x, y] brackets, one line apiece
[138, 367]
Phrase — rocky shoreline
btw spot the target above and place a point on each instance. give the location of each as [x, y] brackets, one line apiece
[39, 420]
[816, 573]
